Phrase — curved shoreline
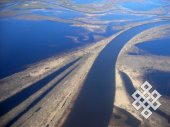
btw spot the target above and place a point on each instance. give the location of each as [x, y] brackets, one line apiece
[94, 104]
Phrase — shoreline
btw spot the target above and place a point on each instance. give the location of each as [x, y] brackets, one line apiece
[136, 73]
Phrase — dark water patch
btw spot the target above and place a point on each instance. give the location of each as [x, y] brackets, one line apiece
[19, 97]
[121, 117]
[25, 42]
[160, 80]
[155, 47]
[117, 116]
[130, 119]
[132, 53]
[128, 83]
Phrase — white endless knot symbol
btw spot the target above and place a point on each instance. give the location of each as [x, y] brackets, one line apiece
[146, 99]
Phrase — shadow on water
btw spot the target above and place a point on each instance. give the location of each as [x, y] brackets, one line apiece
[130, 89]
[19, 97]
[94, 105]
[37, 100]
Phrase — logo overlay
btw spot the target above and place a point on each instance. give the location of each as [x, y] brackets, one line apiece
[146, 99]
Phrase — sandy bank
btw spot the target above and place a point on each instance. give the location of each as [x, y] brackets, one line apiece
[135, 68]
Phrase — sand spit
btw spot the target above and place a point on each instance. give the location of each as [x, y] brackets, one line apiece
[133, 68]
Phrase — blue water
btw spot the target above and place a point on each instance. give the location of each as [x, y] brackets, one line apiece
[160, 80]
[25, 42]
[155, 47]
[140, 6]
[66, 14]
